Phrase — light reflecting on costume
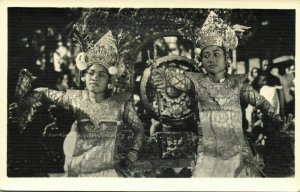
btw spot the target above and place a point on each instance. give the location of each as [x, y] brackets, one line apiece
[97, 131]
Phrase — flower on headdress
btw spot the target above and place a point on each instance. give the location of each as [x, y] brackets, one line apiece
[112, 70]
[80, 61]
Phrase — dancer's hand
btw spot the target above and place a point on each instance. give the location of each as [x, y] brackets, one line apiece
[158, 80]
[240, 28]
[34, 97]
[13, 111]
[33, 110]
[288, 123]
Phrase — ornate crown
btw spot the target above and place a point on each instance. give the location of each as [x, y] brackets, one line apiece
[105, 53]
[216, 32]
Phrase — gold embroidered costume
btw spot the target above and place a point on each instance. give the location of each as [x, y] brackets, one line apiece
[98, 126]
[223, 150]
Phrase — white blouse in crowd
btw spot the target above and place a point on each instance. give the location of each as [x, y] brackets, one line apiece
[271, 95]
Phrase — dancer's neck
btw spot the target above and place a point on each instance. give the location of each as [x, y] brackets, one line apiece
[97, 97]
[216, 78]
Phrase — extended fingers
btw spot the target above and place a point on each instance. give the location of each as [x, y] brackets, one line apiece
[12, 110]
[159, 86]
[37, 104]
[158, 82]
[33, 110]
[13, 106]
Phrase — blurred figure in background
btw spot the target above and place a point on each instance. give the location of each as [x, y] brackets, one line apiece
[269, 91]
[162, 47]
[256, 80]
[60, 57]
[267, 69]
[290, 76]
[255, 71]
[62, 82]
[286, 76]
[38, 43]
[186, 48]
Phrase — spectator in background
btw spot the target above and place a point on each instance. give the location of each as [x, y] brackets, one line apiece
[60, 81]
[173, 45]
[275, 80]
[282, 71]
[266, 68]
[277, 148]
[269, 91]
[162, 47]
[186, 48]
[71, 53]
[51, 45]
[291, 70]
[290, 106]
[60, 58]
[38, 44]
[258, 81]
[265, 65]
[255, 71]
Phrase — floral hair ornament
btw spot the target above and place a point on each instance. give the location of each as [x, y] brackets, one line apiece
[104, 53]
[215, 31]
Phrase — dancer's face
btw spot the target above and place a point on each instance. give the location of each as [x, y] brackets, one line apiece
[97, 79]
[213, 59]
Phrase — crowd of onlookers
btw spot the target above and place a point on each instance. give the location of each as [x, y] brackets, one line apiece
[276, 83]
[50, 56]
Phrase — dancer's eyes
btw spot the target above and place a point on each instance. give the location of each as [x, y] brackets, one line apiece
[101, 74]
[206, 56]
[91, 73]
[216, 54]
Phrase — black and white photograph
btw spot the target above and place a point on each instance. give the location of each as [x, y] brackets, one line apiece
[150, 92]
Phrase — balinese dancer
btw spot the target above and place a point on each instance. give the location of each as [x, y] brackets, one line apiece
[91, 147]
[223, 151]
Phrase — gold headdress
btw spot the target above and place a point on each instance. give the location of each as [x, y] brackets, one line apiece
[216, 32]
[105, 53]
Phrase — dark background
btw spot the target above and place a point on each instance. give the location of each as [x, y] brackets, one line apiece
[269, 41]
